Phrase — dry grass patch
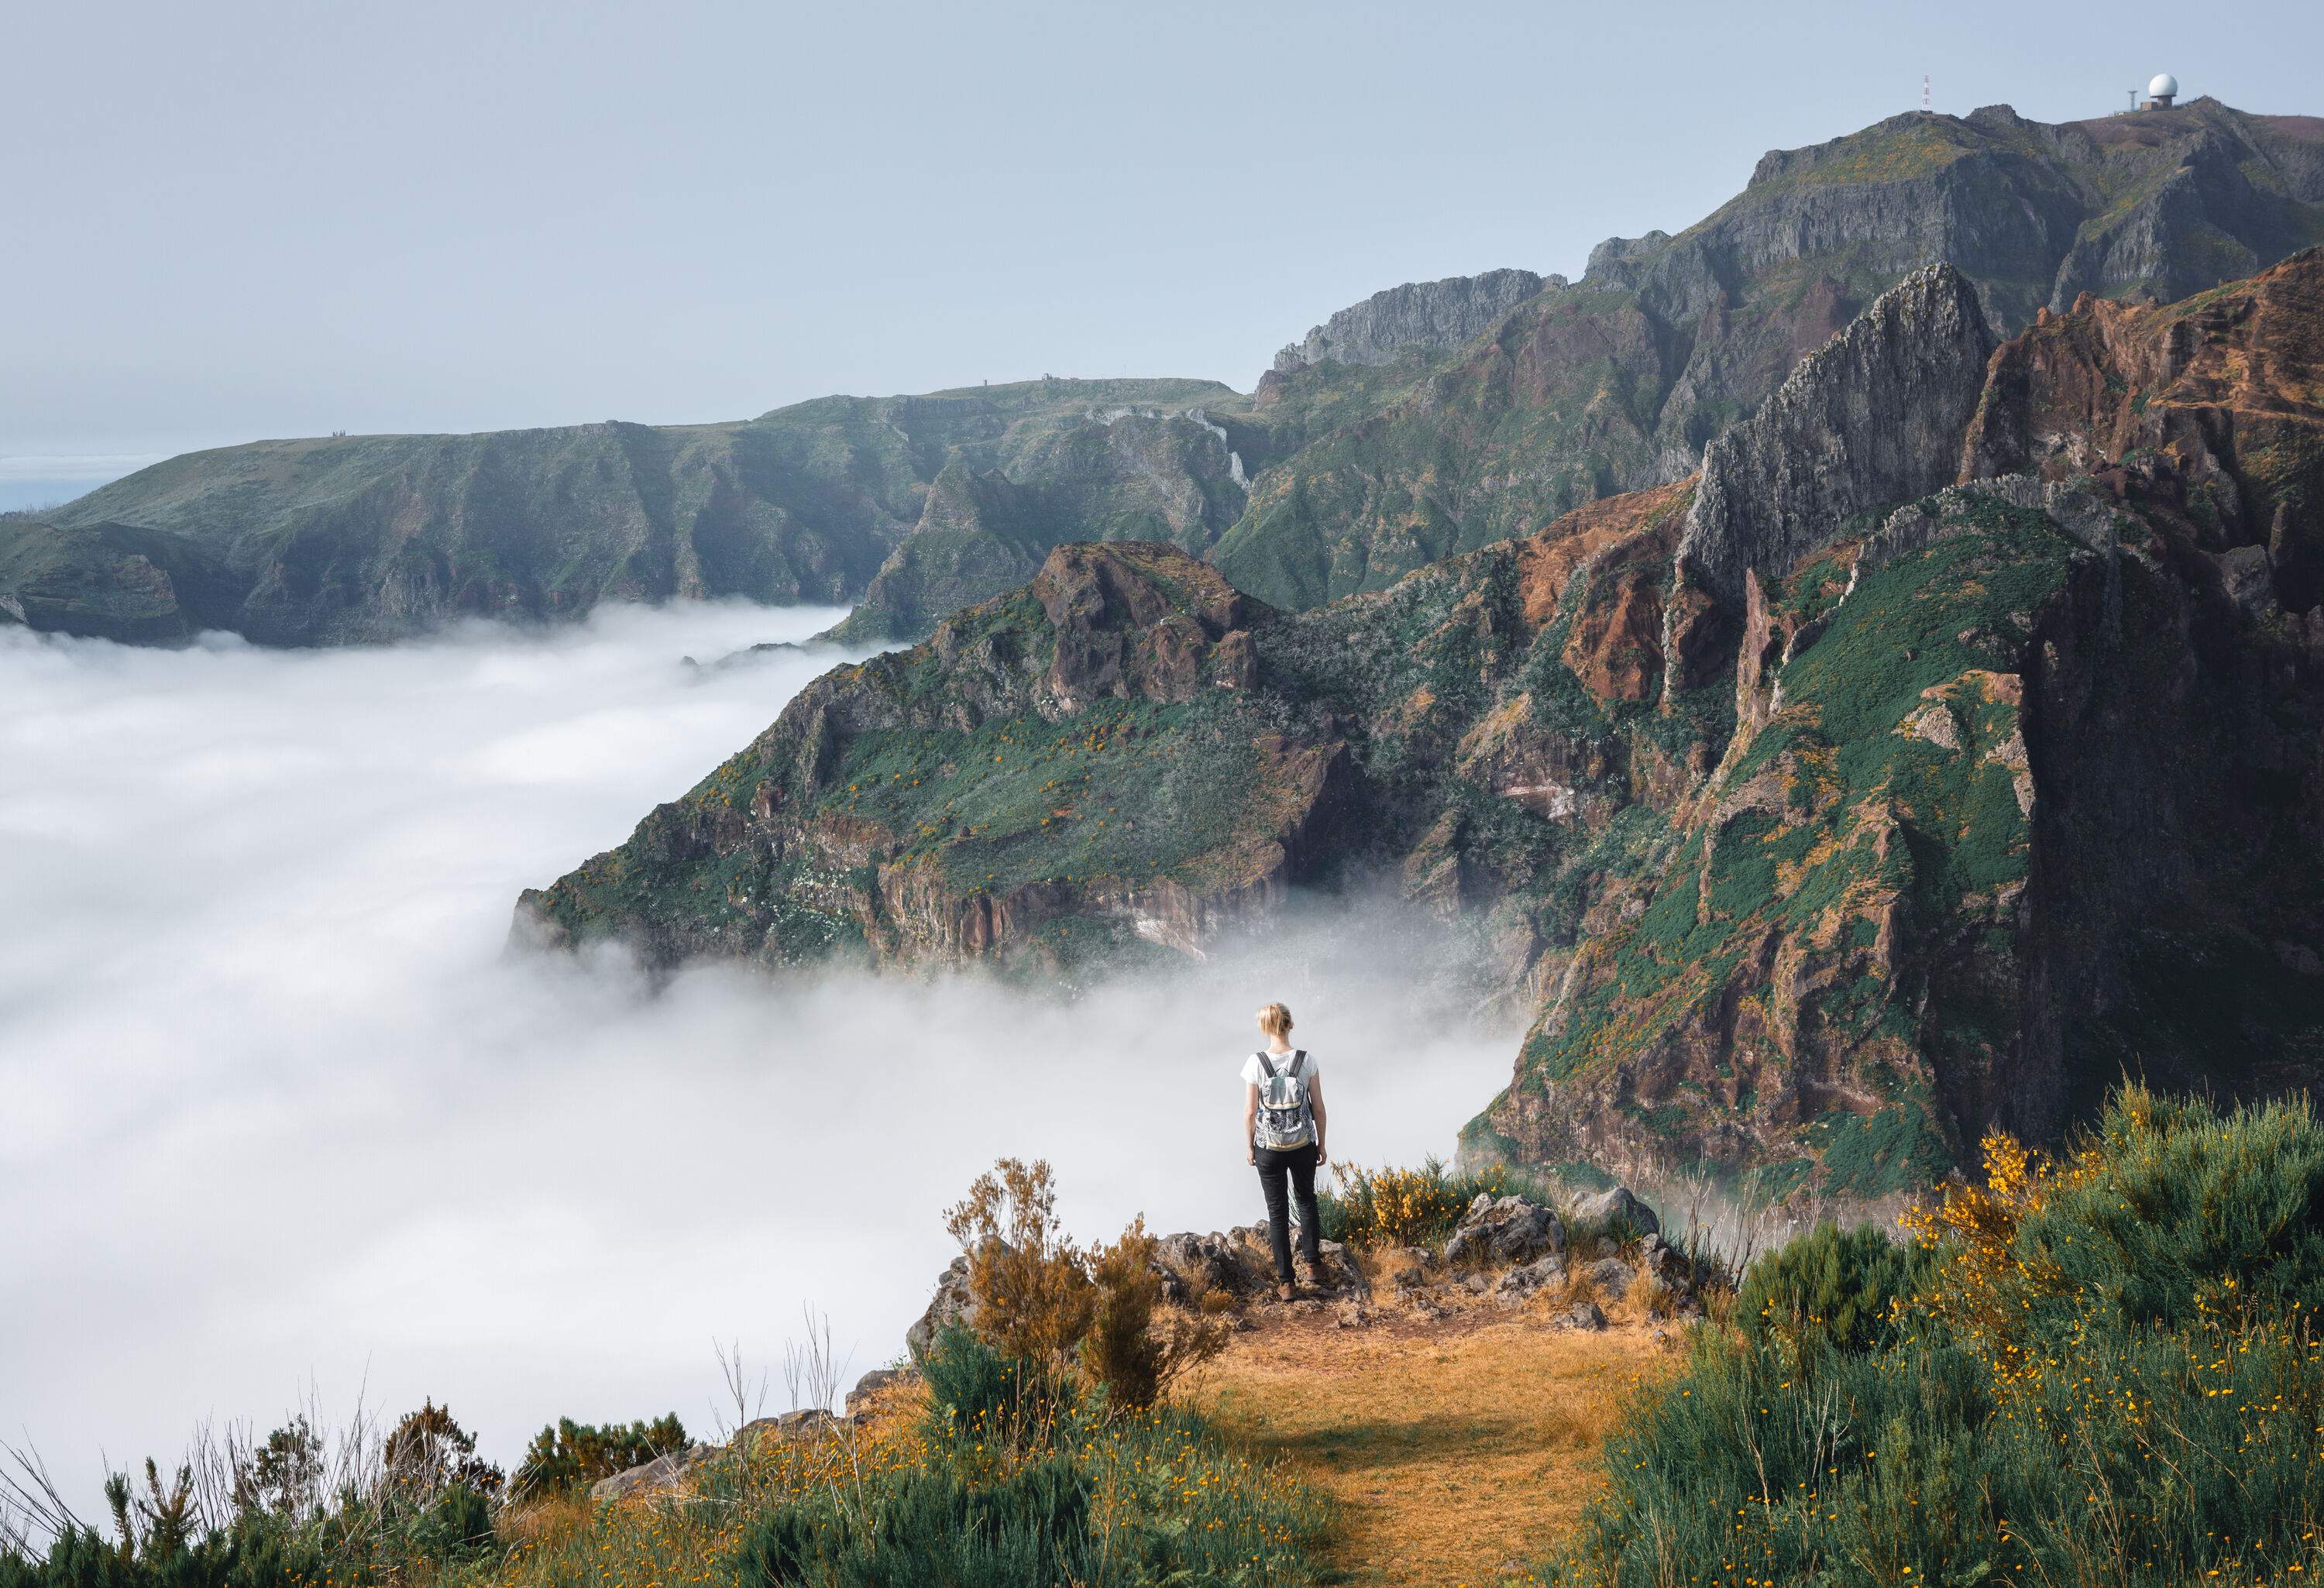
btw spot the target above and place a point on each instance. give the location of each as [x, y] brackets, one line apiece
[1455, 1452]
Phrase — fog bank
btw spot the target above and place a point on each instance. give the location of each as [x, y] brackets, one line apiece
[279, 1112]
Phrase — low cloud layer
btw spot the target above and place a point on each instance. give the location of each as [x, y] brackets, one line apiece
[280, 1113]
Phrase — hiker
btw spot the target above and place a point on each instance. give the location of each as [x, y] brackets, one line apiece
[1282, 1130]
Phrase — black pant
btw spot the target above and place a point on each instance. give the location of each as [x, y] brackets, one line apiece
[1299, 1164]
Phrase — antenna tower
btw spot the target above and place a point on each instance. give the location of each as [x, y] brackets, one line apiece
[1924, 93]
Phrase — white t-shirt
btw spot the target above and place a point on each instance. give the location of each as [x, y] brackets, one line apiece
[1253, 1074]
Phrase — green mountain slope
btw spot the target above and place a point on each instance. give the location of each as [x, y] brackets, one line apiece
[366, 537]
[1823, 810]
[1618, 382]
[1377, 446]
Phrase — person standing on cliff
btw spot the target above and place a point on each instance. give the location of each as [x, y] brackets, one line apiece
[1283, 1132]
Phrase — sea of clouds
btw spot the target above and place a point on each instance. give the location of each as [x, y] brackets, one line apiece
[281, 1119]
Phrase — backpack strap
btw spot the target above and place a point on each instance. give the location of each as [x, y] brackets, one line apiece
[1298, 1059]
[1266, 1062]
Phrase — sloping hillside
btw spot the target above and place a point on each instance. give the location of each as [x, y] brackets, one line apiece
[1618, 382]
[371, 537]
[1433, 420]
[1825, 810]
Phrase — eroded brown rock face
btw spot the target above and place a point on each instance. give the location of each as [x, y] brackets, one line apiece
[1870, 419]
[815, 840]
[1818, 831]
[2212, 410]
[1130, 622]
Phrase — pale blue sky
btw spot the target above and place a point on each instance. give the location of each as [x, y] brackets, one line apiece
[246, 219]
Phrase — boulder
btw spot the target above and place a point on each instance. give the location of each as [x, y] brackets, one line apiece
[1340, 1272]
[662, 1473]
[1405, 1268]
[953, 1303]
[1585, 1315]
[1527, 1278]
[1615, 1208]
[1613, 1277]
[1504, 1230]
[876, 1383]
[791, 1425]
[1193, 1263]
[1657, 1258]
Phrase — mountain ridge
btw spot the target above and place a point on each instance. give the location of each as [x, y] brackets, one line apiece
[1351, 474]
[1811, 869]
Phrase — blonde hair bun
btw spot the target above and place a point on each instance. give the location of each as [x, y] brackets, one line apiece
[1275, 1019]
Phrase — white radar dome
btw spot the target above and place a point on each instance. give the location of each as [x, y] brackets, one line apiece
[2163, 86]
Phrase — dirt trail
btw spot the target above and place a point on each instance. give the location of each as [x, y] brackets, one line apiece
[1459, 1452]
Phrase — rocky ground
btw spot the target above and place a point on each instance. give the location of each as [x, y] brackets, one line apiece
[1450, 1396]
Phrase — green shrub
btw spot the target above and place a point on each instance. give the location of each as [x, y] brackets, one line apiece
[1409, 1207]
[458, 1526]
[1117, 1501]
[976, 1395]
[930, 1526]
[2191, 1208]
[1831, 1287]
[567, 1455]
[2104, 1370]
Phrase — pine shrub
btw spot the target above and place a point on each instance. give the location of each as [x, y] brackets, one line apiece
[1831, 1287]
[567, 1455]
[2103, 1367]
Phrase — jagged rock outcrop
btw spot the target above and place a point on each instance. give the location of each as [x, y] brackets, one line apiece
[1620, 382]
[1618, 1208]
[367, 538]
[1504, 1230]
[110, 581]
[2212, 405]
[1872, 418]
[1993, 792]
[1419, 317]
[1125, 474]
[993, 791]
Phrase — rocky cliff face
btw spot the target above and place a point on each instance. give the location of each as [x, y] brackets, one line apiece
[1429, 422]
[1419, 317]
[1620, 381]
[1074, 768]
[2022, 794]
[1977, 797]
[1873, 417]
[112, 582]
[2167, 397]
[370, 538]
[1124, 474]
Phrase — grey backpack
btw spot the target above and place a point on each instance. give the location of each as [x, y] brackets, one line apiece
[1285, 1117]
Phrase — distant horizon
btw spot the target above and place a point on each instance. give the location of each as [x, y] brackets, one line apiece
[24, 485]
[275, 223]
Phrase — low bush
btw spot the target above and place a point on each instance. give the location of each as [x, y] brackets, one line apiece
[1829, 1287]
[287, 1512]
[930, 1526]
[2103, 1368]
[979, 1396]
[1021, 1483]
[1070, 1494]
[1412, 1207]
[1045, 1301]
[567, 1455]
[1136, 1348]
